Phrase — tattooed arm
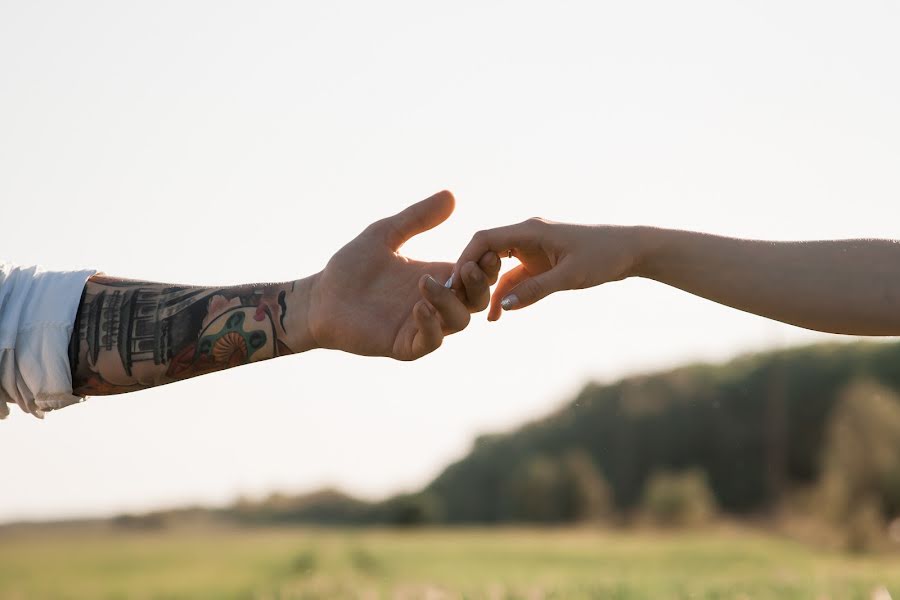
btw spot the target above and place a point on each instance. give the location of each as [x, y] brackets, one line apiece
[368, 300]
[130, 335]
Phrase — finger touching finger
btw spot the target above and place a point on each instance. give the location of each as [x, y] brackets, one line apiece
[477, 289]
[498, 241]
[453, 313]
[428, 336]
[490, 265]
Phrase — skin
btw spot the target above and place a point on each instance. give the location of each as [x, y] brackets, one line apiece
[837, 286]
[368, 300]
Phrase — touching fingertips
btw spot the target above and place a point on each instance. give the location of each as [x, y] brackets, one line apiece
[432, 285]
[472, 273]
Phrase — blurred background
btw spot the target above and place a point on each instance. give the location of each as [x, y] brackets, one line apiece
[629, 441]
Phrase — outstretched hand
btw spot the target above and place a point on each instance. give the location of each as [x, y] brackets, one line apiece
[554, 257]
[370, 300]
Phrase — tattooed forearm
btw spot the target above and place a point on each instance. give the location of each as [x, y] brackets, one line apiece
[131, 335]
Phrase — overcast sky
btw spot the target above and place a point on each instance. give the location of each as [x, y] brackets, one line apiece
[217, 143]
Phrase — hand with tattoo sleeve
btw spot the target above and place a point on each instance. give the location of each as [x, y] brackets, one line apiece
[368, 300]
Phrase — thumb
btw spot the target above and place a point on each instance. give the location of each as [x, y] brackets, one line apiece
[533, 289]
[415, 219]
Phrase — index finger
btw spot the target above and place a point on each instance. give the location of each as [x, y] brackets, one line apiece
[499, 240]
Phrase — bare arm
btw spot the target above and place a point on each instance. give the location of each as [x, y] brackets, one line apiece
[842, 286]
[368, 300]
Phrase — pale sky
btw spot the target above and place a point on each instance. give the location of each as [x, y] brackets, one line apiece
[218, 143]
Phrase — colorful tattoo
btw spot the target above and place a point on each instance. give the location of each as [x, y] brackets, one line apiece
[131, 335]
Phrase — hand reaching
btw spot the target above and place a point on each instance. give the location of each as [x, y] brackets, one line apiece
[370, 300]
[554, 257]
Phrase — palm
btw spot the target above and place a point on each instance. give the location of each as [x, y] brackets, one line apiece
[363, 301]
[365, 297]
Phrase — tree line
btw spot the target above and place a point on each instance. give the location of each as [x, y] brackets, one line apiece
[737, 438]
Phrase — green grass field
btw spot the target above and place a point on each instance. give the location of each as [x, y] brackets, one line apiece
[432, 564]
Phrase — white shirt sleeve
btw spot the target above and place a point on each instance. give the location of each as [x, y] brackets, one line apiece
[37, 313]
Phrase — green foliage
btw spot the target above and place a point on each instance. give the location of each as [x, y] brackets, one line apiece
[678, 499]
[324, 507]
[564, 490]
[148, 522]
[864, 527]
[758, 427]
[534, 491]
[586, 495]
[406, 510]
[304, 563]
[861, 464]
[477, 564]
[755, 426]
[365, 561]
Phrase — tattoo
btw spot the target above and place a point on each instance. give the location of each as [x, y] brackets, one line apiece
[283, 305]
[131, 335]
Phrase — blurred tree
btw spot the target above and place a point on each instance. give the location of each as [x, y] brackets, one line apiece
[754, 427]
[721, 419]
[861, 463]
[408, 509]
[585, 495]
[534, 491]
[678, 499]
[564, 490]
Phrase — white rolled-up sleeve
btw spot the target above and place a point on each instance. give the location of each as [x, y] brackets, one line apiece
[37, 313]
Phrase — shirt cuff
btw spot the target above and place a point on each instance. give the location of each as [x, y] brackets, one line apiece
[37, 313]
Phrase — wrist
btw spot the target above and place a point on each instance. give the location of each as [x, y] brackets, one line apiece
[296, 324]
[647, 248]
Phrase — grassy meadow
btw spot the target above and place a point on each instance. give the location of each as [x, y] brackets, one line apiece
[725, 562]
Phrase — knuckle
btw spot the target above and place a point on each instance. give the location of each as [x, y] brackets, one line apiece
[535, 289]
[572, 277]
[578, 281]
[372, 228]
[382, 227]
[417, 222]
[463, 321]
[492, 268]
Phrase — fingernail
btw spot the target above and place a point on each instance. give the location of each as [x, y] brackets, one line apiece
[509, 302]
[432, 284]
[475, 273]
[449, 283]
